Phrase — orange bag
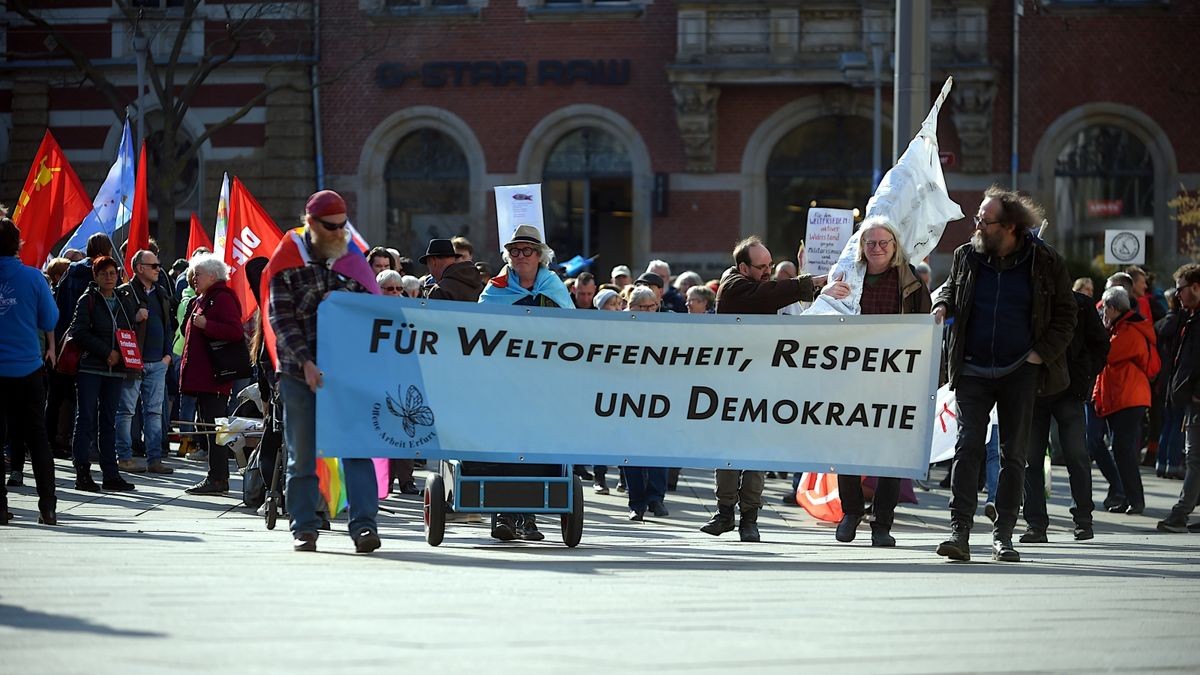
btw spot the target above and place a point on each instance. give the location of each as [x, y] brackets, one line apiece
[818, 494]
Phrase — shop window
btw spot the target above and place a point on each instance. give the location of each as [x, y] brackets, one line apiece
[1104, 180]
[824, 163]
[427, 178]
[588, 197]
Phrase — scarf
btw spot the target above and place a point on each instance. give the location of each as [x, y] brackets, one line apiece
[505, 289]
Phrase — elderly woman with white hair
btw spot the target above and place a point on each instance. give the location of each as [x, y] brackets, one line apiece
[215, 316]
[391, 283]
[1122, 392]
[891, 286]
[524, 280]
[646, 487]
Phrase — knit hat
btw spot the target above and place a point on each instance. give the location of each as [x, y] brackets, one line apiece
[325, 203]
[603, 297]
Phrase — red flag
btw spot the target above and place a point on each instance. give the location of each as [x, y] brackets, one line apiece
[251, 234]
[139, 220]
[52, 203]
[197, 237]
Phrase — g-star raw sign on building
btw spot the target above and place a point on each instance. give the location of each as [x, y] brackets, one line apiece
[452, 380]
[503, 73]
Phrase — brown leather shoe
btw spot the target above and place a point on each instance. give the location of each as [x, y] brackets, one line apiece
[157, 466]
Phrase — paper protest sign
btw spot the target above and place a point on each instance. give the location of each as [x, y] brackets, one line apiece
[518, 205]
[828, 232]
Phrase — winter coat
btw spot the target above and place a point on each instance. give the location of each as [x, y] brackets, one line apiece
[93, 328]
[914, 294]
[1185, 367]
[1123, 382]
[459, 281]
[222, 311]
[1052, 319]
[1088, 351]
[739, 294]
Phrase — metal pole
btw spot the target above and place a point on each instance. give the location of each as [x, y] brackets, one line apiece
[877, 124]
[911, 82]
[1014, 161]
[587, 216]
[139, 46]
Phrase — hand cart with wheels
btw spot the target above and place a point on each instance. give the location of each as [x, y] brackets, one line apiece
[450, 496]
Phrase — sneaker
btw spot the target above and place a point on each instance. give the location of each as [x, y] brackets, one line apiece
[131, 466]
[1003, 551]
[527, 529]
[366, 541]
[1084, 532]
[158, 467]
[305, 542]
[989, 511]
[198, 456]
[637, 516]
[117, 484]
[1033, 536]
[502, 528]
[659, 510]
[1172, 524]
[621, 486]
[600, 489]
[86, 484]
[209, 487]
[15, 479]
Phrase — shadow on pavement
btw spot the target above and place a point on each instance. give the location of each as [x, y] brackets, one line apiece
[26, 619]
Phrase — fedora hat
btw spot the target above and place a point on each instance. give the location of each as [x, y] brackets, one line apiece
[439, 248]
[525, 234]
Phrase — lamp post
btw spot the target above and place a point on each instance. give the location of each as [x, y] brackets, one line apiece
[139, 48]
[876, 119]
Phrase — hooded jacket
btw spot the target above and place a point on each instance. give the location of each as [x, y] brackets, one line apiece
[460, 281]
[1123, 382]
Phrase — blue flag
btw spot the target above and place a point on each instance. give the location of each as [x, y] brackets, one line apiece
[113, 205]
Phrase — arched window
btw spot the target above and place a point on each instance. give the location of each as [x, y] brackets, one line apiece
[1104, 180]
[588, 196]
[825, 163]
[427, 180]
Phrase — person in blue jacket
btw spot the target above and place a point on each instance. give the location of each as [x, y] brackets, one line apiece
[27, 310]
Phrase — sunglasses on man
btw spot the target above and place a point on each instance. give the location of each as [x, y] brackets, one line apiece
[331, 226]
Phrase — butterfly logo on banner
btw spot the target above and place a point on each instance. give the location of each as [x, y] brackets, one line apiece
[413, 412]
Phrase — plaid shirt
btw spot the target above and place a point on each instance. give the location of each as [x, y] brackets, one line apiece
[295, 295]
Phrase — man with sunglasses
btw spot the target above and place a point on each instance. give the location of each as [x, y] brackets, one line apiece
[1014, 316]
[309, 263]
[747, 288]
[155, 335]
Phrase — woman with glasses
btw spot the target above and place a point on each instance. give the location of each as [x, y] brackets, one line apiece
[391, 283]
[701, 300]
[524, 280]
[891, 286]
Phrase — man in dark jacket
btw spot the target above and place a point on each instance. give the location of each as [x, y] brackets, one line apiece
[1014, 315]
[1086, 355]
[747, 288]
[453, 278]
[155, 338]
[1185, 393]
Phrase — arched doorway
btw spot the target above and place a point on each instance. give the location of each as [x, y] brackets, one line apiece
[1103, 180]
[588, 196]
[427, 179]
[825, 162]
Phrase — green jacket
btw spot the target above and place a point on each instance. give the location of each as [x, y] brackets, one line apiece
[185, 304]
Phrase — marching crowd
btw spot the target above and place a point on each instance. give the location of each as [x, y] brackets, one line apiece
[95, 367]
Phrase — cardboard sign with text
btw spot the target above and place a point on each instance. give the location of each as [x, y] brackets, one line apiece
[131, 355]
[828, 232]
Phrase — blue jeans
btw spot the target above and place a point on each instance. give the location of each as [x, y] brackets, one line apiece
[303, 491]
[96, 399]
[1097, 427]
[992, 462]
[151, 389]
[1170, 441]
[645, 486]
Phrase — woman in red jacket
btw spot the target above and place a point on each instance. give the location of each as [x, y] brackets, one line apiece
[1122, 391]
[216, 316]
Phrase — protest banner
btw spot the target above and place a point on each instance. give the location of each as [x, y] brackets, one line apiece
[827, 233]
[438, 380]
[518, 205]
[1124, 247]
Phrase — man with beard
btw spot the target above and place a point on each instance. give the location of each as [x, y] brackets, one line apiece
[310, 263]
[1014, 316]
[747, 288]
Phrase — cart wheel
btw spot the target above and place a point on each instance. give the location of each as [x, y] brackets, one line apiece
[572, 523]
[272, 512]
[435, 510]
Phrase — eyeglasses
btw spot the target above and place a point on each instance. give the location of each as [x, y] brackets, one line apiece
[398, 289]
[152, 266]
[765, 267]
[330, 226]
[882, 244]
[980, 222]
[522, 252]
